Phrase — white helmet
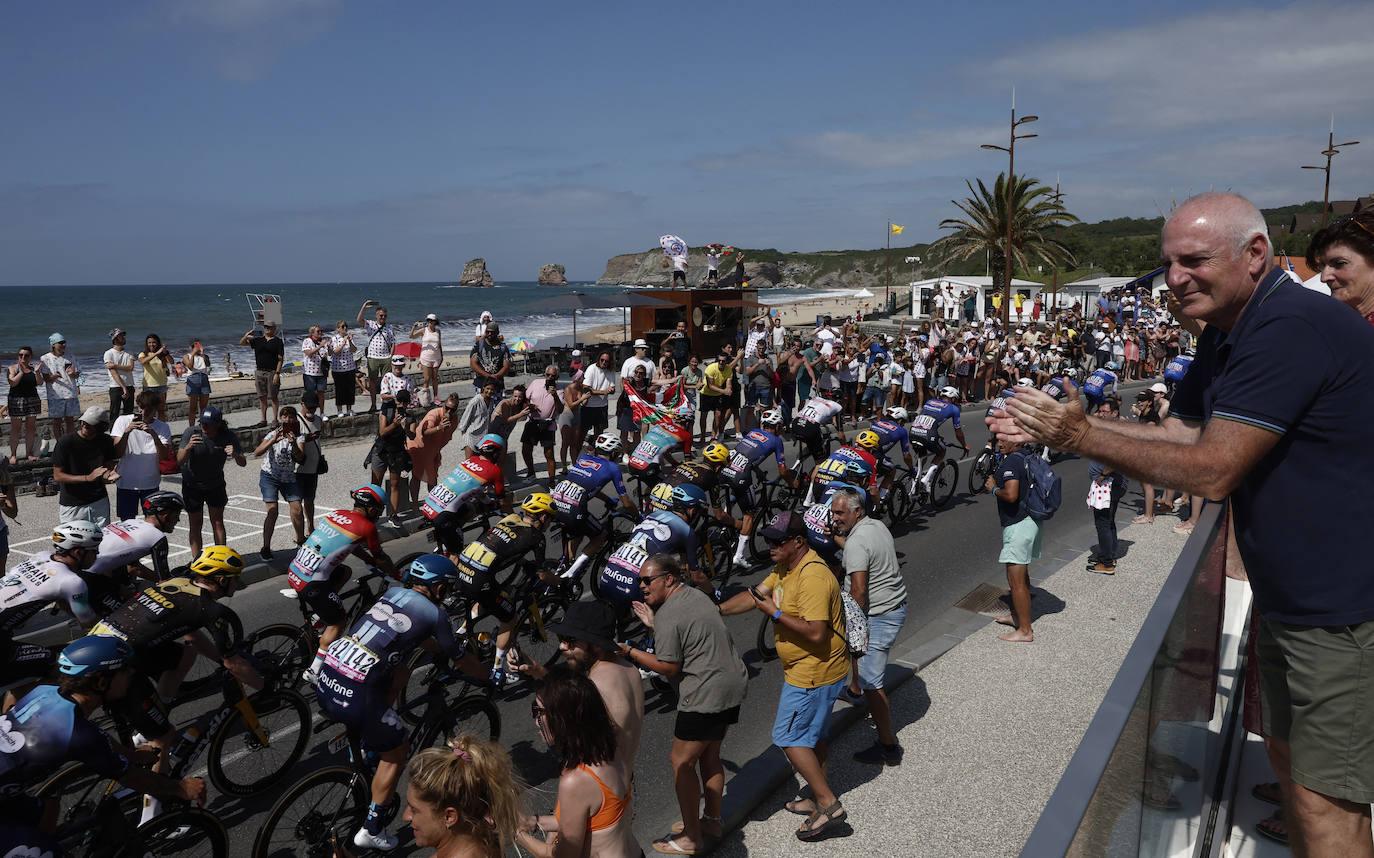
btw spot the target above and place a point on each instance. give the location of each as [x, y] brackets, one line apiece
[771, 417]
[949, 393]
[896, 412]
[609, 443]
[72, 535]
[1025, 382]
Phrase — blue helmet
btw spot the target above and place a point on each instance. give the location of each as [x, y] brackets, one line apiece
[688, 496]
[431, 569]
[94, 655]
[370, 495]
[1113, 365]
[856, 470]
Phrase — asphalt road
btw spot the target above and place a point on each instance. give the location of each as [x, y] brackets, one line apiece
[943, 559]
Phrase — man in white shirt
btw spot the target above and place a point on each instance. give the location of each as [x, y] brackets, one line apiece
[120, 364]
[825, 334]
[941, 296]
[61, 378]
[779, 332]
[758, 332]
[601, 381]
[679, 270]
[641, 358]
[141, 440]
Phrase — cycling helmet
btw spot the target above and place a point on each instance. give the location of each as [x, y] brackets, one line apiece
[609, 443]
[856, 472]
[490, 445]
[1113, 365]
[94, 655]
[688, 496]
[218, 560]
[868, 440]
[951, 393]
[896, 412]
[430, 569]
[1025, 382]
[370, 496]
[715, 452]
[828, 393]
[76, 534]
[771, 417]
[536, 503]
[160, 502]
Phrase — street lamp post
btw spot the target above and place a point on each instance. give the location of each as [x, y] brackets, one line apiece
[1332, 150]
[1058, 199]
[1010, 149]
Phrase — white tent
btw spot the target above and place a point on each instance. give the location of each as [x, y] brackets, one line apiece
[863, 293]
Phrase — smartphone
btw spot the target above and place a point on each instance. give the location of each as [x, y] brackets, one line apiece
[755, 593]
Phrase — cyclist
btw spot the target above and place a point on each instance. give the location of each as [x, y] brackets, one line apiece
[153, 623]
[38, 582]
[853, 463]
[661, 443]
[750, 453]
[705, 475]
[573, 494]
[317, 573]
[892, 432]
[125, 543]
[502, 548]
[1101, 384]
[925, 429]
[817, 520]
[662, 530]
[50, 727]
[358, 684]
[1056, 387]
[816, 412]
[465, 486]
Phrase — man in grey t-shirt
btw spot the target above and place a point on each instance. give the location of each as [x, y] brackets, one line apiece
[693, 649]
[875, 582]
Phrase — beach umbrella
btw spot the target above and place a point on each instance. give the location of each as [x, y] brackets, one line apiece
[672, 245]
[575, 301]
[863, 293]
[523, 344]
[409, 350]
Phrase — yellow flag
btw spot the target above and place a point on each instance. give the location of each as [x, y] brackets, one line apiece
[896, 228]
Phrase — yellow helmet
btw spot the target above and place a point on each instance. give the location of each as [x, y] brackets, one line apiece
[868, 440]
[715, 452]
[218, 560]
[537, 502]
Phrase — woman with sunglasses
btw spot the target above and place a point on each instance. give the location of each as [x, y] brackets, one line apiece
[24, 405]
[593, 816]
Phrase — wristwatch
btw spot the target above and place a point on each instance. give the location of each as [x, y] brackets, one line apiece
[776, 615]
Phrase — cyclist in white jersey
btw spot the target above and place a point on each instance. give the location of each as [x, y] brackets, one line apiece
[125, 543]
[815, 413]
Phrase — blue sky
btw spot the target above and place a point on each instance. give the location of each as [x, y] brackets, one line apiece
[312, 140]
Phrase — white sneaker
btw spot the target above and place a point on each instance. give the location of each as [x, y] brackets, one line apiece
[382, 842]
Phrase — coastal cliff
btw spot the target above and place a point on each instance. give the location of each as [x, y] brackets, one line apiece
[841, 269]
[475, 273]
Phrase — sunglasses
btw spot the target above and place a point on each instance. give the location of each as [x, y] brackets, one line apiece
[536, 710]
[645, 581]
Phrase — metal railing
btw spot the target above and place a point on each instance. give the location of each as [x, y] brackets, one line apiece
[1146, 778]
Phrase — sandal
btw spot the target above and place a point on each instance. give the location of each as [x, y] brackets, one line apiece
[801, 806]
[1142, 519]
[669, 846]
[1273, 828]
[810, 832]
[1268, 793]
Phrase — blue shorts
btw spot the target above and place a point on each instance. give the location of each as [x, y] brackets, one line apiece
[882, 632]
[803, 713]
[875, 394]
[197, 384]
[64, 407]
[361, 710]
[270, 487]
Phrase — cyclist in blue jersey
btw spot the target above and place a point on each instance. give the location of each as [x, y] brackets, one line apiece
[668, 531]
[925, 429]
[1101, 384]
[50, 727]
[752, 451]
[583, 481]
[817, 520]
[1056, 387]
[892, 432]
[358, 684]
[852, 463]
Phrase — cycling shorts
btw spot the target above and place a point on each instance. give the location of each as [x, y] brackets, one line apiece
[885, 466]
[448, 532]
[143, 709]
[811, 435]
[927, 446]
[322, 598]
[580, 523]
[742, 493]
[363, 710]
[25, 661]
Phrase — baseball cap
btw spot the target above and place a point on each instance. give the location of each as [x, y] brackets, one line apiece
[211, 416]
[397, 360]
[1158, 387]
[784, 525]
[95, 416]
[641, 344]
[577, 353]
[592, 621]
[431, 318]
[117, 332]
[54, 339]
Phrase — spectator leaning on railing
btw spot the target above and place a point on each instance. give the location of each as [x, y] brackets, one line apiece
[1288, 443]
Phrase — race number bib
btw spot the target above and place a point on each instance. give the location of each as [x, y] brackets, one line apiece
[442, 495]
[923, 423]
[476, 557]
[569, 493]
[350, 659]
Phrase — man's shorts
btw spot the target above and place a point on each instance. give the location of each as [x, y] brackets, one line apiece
[709, 402]
[882, 633]
[362, 710]
[580, 524]
[595, 419]
[803, 713]
[741, 491]
[1317, 693]
[680, 277]
[378, 367]
[1020, 542]
[704, 726]
[197, 497]
[538, 432]
[97, 512]
[267, 388]
[270, 487]
[760, 396]
[64, 407]
[322, 597]
[143, 709]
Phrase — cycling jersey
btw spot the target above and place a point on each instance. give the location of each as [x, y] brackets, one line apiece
[43, 732]
[752, 450]
[837, 467]
[583, 481]
[127, 542]
[36, 583]
[339, 534]
[1177, 368]
[1055, 387]
[661, 531]
[891, 433]
[819, 411]
[999, 402]
[1099, 385]
[694, 473]
[817, 520]
[461, 485]
[509, 540]
[162, 613]
[926, 425]
[662, 437]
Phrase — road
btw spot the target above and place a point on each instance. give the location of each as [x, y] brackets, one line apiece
[943, 559]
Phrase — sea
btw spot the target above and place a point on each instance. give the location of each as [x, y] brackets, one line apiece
[218, 315]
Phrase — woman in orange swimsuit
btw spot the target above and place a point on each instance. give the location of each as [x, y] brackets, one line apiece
[593, 815]
[464, 800]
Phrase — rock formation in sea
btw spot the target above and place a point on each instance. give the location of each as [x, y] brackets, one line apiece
[475, 273]
[553, 275]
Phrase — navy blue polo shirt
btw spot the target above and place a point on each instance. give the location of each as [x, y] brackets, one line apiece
[1013, 467]
[1301, 365]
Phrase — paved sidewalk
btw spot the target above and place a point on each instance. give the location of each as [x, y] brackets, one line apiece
[989, 727]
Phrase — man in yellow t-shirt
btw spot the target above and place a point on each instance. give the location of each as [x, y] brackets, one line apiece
[802, 598]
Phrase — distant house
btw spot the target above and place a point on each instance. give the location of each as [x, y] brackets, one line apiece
[923, 293]
[1086, 291]
[1312, 221]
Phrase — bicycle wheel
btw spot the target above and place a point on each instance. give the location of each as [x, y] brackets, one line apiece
[720, 546]
[473, 716]
[412, 700]
[536, 643]
[943, 485]
[78, 792]
[322, 808]
[239, 764]
[899, 502]
[762, 512]
[189, 831]
[767, 644]
[979, 471]
[281, 651]
[204, 676]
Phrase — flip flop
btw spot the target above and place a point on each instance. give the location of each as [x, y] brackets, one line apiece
[1272, 827]
[834, 815]
[1268, 793]
[669, 846]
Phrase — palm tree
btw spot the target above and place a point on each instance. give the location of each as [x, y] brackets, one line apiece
[983, 228]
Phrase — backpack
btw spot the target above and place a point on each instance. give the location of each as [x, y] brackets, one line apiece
[1045, 493]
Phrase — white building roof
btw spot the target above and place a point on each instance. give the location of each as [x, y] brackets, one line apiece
[973, 281]
[1100, 282]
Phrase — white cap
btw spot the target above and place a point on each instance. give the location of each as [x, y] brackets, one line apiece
[431, 318]
[641, 343]
[577, 353]
[485, 317]
[1158, 387]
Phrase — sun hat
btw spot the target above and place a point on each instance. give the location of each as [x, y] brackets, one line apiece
[641, 343]
[54, 339]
